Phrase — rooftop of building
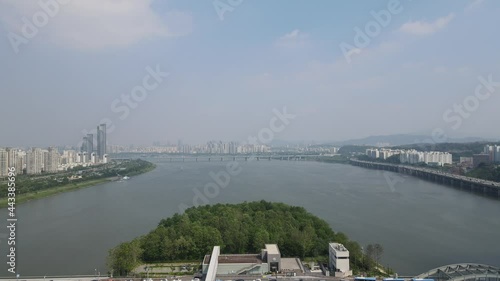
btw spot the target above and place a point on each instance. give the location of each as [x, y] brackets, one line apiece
[339, 247]
[242, 258]
[272, 249]
[290, 264]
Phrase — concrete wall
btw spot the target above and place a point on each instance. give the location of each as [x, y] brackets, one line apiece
[213, 265]
[339, 260]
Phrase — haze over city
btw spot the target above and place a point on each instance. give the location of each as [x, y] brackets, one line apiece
[238, 140]
[228, 68]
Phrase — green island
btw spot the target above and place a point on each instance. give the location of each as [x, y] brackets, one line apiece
[238, 229]
[31, 187]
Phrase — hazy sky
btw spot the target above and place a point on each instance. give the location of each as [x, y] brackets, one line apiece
[231, 63]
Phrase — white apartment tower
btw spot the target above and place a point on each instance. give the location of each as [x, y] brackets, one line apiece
[4, 165]
[52, 160]
[34, 161]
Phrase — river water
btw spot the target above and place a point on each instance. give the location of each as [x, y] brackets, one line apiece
[421, 225]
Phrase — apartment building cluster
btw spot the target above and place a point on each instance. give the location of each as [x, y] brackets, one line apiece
[34, 160]
[435, 158]
[412, 156]
[491, 154]
[37, 160]
[212, 147]
[382, 153]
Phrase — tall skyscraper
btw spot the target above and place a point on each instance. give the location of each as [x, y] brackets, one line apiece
[90, 143]
[101, 140]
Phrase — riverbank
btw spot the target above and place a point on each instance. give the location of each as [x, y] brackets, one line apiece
[71, 186]
[22, 198]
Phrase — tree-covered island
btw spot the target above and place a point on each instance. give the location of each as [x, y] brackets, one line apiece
[237, 229]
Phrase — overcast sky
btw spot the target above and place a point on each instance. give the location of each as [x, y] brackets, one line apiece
[231, 63]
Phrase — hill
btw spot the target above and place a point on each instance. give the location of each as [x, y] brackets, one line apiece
[400, 139]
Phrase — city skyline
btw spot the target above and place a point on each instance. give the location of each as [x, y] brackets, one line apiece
[158, 83]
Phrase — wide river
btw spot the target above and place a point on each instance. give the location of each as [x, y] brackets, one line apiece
[421, 225]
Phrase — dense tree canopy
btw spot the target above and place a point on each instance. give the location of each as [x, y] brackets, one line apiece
[237, 228]
[486, 172]
[35, 183]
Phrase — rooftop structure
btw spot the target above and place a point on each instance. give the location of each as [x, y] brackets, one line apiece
[269, 260]
[462, 271]
[339, 260]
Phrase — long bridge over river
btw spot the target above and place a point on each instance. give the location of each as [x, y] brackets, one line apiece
[219, 158]
[467, 183]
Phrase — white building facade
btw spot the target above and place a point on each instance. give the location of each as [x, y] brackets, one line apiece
[339, 260]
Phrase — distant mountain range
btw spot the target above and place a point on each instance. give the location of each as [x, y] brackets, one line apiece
[402, 139]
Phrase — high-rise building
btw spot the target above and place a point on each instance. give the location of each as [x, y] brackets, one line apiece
[101, 140]
[493, 151]
[4, 165]
[16, 159]
[497, 153]
[68, 157]
[52, 160]
[34, 161]
[20, 162]
[90, 143]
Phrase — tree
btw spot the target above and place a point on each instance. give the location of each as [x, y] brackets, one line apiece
[370, 251]
[378, 250]
[125, 257]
